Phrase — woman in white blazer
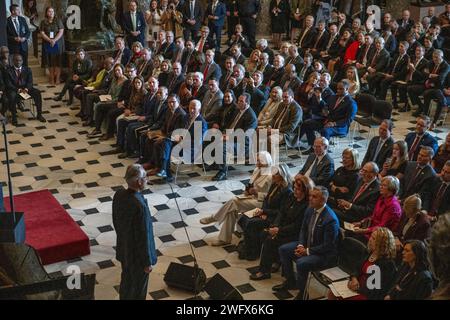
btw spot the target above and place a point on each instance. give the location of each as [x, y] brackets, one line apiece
[259, 185]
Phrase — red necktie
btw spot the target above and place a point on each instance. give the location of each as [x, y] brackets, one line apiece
[360, 191]
[18, 74]
[374, 59]
[413, 148]
[338, 102]
[205, 72]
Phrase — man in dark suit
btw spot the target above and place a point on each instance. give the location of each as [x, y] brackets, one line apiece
[321, 39]
[289, 80]
[404, 25]
[190, 140]
[158, 147]
[418, 174]
[19, 80]
[378, 64]
[438, 70]
[122, 54]
[215, 13]
[81, 72]
[316, 247]
[332, 47]
[175, 79]
[192, 19]
[442, 96]
[380, 147]
[436, 198]
[256, 90]
[397, 71]
[242, 118]
[307, 36]
[210, 69]
[169, 49]
[319, 166]
[248, 11]
[420, 137]
[294, 58]
[135, 249]
[18, 33]
[364, 198]
[134, 24]
[341, 112]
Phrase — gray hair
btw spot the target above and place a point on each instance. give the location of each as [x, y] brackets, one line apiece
[429, 150]
[380, 40]
[375, 168]
[393, 184]
[134, 173]
[262, 42]
[439, 250]
[324, 141]
[323, 191]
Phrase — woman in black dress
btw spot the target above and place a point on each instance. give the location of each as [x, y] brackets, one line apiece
[396, 164]
[345, 178]
[285, 227]
[279, 13]
[414, 281]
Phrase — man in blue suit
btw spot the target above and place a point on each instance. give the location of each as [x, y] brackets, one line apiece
[420, 137]
[134, 24]
[215, 13]
[316, 247]
[18, 33]
[338, 114]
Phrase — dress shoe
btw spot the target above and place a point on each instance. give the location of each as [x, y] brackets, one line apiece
[169, 179]
[220, 176]
[308, 151]
[94, 134]
[252, 258]
[123, 155]
[41, 118]
[152, 172]
[133, 155]
[406, 108]
[105, 137]
[57, 98]
[284, 286]
[207, 220]
[275, 267]
[79, 115]
[14, 122]
[219, 243]
[162, 174]
[259, 276]
[70, 102]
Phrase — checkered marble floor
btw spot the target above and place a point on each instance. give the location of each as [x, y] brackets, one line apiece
[81, 175]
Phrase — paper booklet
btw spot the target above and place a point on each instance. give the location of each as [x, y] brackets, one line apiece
[105, 97]
[89, 88]
[335, 274]
[244, 196]
[24, 95]
[131, 118]
[251, 213]
[340, 289]
[349, 226]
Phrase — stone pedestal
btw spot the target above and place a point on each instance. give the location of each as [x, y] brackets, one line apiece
[419, 11]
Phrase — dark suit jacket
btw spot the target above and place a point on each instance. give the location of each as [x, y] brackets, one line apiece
[363, 206]
[416, 286]
[258, 99]
[198, 15]
[322, 42]
[403, 31]
[212, 107]
[419, 230]
[24, 32]
[294, 83]
[25, 80]
[391, 45]
[422, 182]
[292, 119]
[324, 172]
[168, 51]
[385, 151]
[419, 76]
[381, 63]
[140, 26]
[174, 82]
[388, 273]
[83, 69]
[173, 121]
[428, 196]
[214, 72]
[443, 70]
[297, 62]
[325, 235]
[427, 140]
[362, 51]
[308, 40]
[290, 219]
[272, 204]
[129, 221]
[126, 56]
[247, 121]
[155, 119]
[401, 68]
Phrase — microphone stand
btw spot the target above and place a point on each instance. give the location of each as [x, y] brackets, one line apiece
[11, 200]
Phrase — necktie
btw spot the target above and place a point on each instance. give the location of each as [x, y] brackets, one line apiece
[303, 37]
[205, 72]
[318, 39]
[277, 124]
[364, 60]
[330, 42]
[17, 26]
[429, 84]
[437, 200]
[18, 74]
[314, 167]
[413, 148]
[360, 191]
[179, 55]
[413, 180]
[236, 120]
[311, 226]
[192, 10]
[338, 102]
[374, 59]
[377, 150]
[396, 63]
[214, 8]
[133, 20]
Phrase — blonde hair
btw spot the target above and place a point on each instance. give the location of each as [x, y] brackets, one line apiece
[384, 243]
[355, 155]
